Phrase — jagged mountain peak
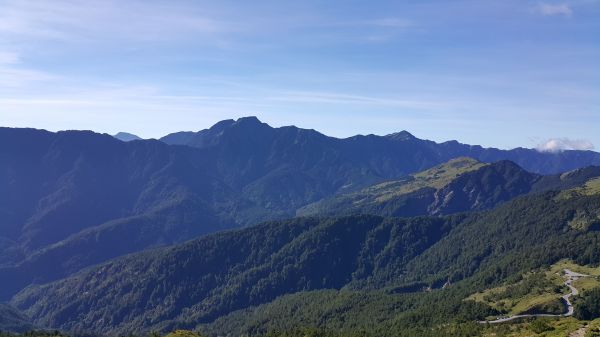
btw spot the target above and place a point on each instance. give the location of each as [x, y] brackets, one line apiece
[249, 120]
[401, 136]
[126, 136]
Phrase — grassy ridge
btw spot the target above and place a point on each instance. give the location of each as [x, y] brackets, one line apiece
[538, 291]
[436, 177]
[431, 179]
[460, 185]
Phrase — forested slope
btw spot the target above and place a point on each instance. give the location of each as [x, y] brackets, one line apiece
[207, 278]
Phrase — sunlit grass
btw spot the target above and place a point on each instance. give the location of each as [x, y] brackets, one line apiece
[568, 264]
[591, 187]
[436, 177]
[554, 274]
[558, 327]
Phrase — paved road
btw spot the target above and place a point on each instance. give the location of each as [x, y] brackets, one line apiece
[571, 277]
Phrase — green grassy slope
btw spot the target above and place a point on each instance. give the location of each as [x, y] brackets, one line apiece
[462, 184]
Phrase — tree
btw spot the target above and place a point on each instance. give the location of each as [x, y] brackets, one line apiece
[540, 325]
[587, 306]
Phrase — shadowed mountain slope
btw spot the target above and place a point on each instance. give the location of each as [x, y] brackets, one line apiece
[77, 198]
[72, 199]
[12, 320]
[204, 279]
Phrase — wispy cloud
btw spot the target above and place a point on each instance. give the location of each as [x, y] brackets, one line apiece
[563, 144]
[555, 9]
[13, 74]
[94, 19]
[391, 23]
[340, 98]
[11, 77]
[385, 23]
[8, 58]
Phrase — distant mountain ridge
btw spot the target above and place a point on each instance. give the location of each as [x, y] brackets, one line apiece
[252, 129]
[69, 195]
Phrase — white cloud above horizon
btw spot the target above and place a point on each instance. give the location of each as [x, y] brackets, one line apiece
[564, 144]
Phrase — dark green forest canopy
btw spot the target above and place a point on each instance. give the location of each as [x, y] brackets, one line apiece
[587, 305]
[228, 273]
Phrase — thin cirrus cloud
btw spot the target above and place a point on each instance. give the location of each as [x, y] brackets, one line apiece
[393, 23]
[422, 62]
[386, 22]
[345, 99]
[547, 9]
[563, 144]
[143, 21]
[14, 75]
[8, 58]
[73, 20]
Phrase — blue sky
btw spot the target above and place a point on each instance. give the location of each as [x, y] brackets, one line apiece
[503, 73]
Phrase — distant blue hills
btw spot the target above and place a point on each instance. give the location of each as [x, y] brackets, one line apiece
[74, 199]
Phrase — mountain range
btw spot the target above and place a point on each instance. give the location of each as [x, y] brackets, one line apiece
[385, 154]
[376, 213]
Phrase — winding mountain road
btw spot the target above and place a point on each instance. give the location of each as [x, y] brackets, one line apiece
[571, 277]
